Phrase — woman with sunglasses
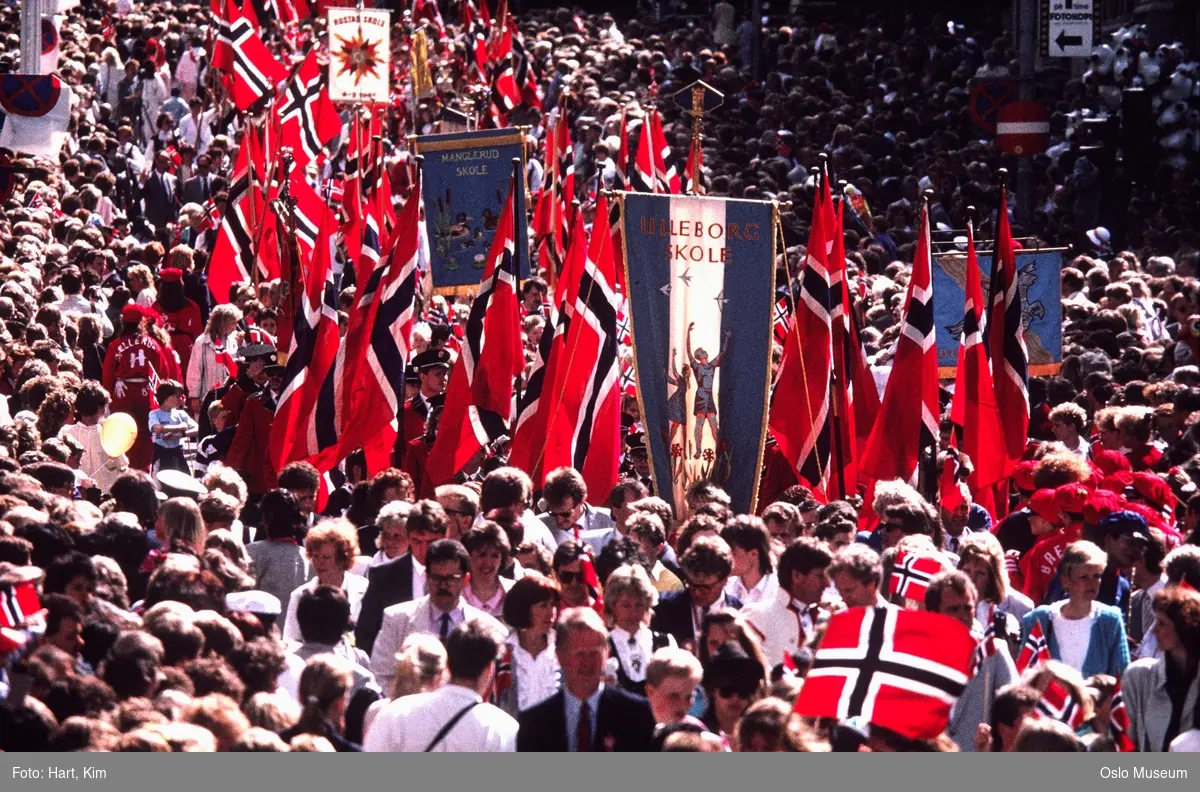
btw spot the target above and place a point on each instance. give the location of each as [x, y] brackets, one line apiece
[733, 680]
[629, 597]
[568, 571]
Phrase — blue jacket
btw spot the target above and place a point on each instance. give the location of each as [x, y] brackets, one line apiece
[1108, 651]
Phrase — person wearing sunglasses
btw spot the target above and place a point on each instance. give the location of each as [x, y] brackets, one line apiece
[707, 565]
[437, 613]
[568, 515]
[733, 681]
[568, 571]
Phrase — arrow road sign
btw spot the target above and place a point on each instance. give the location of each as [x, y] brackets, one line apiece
[1069, 28]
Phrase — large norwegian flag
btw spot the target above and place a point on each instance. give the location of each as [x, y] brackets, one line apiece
[311, 355]
[373, 420]
[901, 670]
[1035, 651]
[799, 418]
[973, 411]
[251, 70]
[506, 95]
[907, 425]
[564, 183]
[305, 115]
[1005, 339]
[651, 168]
[479, 400]
[233, 257]
[584, 423]
[540, 398]
[853, 381]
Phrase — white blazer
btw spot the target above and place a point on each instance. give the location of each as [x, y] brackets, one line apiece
[410, 618]
[779, 626]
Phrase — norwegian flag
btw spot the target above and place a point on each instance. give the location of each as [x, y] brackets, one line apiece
[783, 321]
[907, 425]
[651, 166]
[973, 410]
[335, 190]
[628, 380]
[624, 333]
[305, 115]
[1120, 723]
[312, 350]
[525, 72]
[107, 29]
[251, 70]
[901, 670]
[18, 603]
[799, 417]
[479, 400]
[212, 215]
[564, 176]
[1059, 703]
[1005, 339]
[1035, 651]
[224, 357]
[584, 422]
[539, 399]
[693, 176]
[912, 574]
[852, 376]
[987, 644]
[234, 252]
[505, 93]
[477, 49]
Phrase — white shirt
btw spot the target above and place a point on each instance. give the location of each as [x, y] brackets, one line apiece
[1149, 645]
[410, 723]
[95, 463]
[536, 678]
[353, 586]
[1072, 635]
[764, 590]
[409, 618]
[782, 625]
[418, 579]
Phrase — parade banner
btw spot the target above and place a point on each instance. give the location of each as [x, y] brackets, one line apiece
[360, 55]
[464, 179]
[1041, 306]
[701, 300]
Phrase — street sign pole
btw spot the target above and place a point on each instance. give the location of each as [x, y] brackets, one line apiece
[1027, 42]
[31, 36]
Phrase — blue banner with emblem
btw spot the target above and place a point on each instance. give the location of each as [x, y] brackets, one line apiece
[1041, 306]
[464, 179]
[701, 275]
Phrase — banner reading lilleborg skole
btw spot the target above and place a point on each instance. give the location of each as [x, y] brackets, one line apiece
[701, 299]
[464, 180]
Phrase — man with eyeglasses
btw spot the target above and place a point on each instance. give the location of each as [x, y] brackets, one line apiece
[436, 613]
[461, 505]
[706, 567]
[568, 515]
[568, 571]
[402, 579]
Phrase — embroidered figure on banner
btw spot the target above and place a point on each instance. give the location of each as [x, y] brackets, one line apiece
[704, 405]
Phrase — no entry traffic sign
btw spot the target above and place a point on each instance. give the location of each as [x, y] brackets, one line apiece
[1022, 129]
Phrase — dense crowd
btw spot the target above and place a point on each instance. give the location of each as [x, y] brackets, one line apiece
[185, 596]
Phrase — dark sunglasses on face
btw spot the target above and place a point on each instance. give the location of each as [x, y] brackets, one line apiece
[563, 515]
[570, 577]
[732, 691]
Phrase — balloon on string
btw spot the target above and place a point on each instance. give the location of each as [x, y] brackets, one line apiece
[118, 432]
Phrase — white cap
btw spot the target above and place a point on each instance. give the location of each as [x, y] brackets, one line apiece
[1188, 742]
[259, 602]
[1099, 236]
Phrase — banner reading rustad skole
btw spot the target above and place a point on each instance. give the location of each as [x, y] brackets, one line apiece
[465, 178]
[701, 299]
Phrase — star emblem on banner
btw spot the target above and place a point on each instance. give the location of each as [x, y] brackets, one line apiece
[358, 56]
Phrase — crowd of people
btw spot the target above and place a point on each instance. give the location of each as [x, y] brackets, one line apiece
[186, 596]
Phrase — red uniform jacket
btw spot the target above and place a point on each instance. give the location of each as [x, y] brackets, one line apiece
[134, 357]
[183, 326]
[249, 452]
[416, 411]
[416, 454]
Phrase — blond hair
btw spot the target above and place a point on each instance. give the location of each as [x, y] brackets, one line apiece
[420, 666]
[1079, 554]
[337, 532]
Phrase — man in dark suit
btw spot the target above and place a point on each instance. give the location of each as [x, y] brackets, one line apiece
[160, 194]
[402, 579]
[198, 189]
[585, 714]
[706, 567]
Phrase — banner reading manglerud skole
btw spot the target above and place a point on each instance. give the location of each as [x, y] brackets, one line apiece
[464, 179]
[701, 277]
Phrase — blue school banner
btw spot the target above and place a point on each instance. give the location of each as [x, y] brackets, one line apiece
[1041, 306]
[464, 180]
[701, 299]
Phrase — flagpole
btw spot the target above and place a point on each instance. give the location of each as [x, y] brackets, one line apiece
[517, 184]
[927, 456]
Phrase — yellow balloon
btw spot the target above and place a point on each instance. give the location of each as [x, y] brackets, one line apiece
[118, 433]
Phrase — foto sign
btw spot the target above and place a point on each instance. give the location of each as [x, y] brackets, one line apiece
[1069, 28]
